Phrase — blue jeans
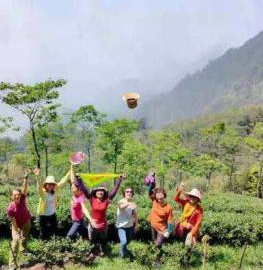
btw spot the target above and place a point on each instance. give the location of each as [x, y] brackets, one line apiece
[77, 227]
[125, 236]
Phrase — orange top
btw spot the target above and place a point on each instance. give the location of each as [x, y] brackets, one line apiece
[160, 216]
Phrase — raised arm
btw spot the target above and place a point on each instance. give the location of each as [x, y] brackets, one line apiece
[64, 180]
[151, 188]
[25, 184]
[72, 175]
[177, 197]
[81, 186]
[115, 189]
[39, 186]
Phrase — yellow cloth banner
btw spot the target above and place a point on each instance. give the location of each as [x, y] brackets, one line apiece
[93, 179]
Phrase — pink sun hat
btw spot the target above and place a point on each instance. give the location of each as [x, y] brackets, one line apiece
[77, 158]
[195, 193]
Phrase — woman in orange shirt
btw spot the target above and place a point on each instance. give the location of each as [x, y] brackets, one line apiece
[160, 217]
[189, 224]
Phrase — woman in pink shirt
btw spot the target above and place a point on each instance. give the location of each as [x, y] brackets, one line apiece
[20, 222]
[78, 207]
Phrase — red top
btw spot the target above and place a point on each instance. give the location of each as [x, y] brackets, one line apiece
[19, 212]
[196, 218]
[98, 211]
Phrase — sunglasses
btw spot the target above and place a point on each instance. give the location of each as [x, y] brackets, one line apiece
[128, 191]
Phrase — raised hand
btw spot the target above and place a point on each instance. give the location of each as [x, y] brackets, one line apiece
[36, 171]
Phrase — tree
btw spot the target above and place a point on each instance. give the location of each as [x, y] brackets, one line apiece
[210, 142]
[230, 145]
[255, 144]
[205, 166]
[6, 150]
[29, 100]
[88, 119]
[46, 135]
[112, 136]
[134, 162]
[7, 123]
[167, 152]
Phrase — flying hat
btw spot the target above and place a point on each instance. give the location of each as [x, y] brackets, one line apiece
[50, 180]
[131, 99]
[195, 193]
[77, 158]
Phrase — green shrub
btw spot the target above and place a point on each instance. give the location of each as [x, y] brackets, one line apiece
[57, 251]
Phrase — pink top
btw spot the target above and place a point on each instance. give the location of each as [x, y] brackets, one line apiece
[98, 212]
[76, 209]
[19, 212]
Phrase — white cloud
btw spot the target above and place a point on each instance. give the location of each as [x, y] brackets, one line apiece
[95, 44]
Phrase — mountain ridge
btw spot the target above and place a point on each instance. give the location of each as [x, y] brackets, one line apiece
[232, 80]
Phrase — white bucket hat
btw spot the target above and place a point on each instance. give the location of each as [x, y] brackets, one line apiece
[195, 193]
[50, 180]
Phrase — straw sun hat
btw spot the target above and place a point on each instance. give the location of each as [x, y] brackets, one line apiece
[50, 180]
[131, 99]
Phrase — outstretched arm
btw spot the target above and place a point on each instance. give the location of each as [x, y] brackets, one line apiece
[25, 184]
[64, 180]
[115, 188]
[81, 186]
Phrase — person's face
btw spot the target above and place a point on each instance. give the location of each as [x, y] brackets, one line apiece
[160, 197]
[100, 194]
[75, 190]
[193, 199]
[50, 187]
[128, 194]
[16, 196]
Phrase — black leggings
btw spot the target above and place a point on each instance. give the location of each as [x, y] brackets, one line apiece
[48, 226]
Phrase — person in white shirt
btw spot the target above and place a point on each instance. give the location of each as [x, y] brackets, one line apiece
[127, 221]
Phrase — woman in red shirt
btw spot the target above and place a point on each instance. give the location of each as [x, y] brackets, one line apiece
[20, 222]
[99, 199]
[189, 224]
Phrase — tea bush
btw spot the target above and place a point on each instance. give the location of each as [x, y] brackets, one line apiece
[57, 251]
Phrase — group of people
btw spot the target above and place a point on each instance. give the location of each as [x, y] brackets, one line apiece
[98, 199]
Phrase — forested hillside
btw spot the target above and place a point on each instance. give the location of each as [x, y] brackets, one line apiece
[233, 80]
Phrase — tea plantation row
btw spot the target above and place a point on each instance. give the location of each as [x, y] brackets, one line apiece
[228, 218]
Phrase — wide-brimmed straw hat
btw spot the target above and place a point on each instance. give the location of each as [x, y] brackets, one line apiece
[131, 99]
[50, 180]
[195, 193]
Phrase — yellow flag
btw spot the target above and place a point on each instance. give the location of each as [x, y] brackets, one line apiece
[93, 179]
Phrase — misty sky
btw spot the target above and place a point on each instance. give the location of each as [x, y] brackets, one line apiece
[96, 45]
